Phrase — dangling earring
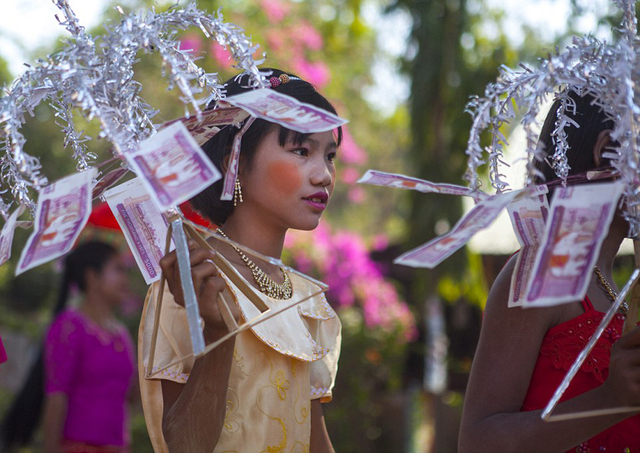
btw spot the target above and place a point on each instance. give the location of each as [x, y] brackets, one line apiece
[237, 193]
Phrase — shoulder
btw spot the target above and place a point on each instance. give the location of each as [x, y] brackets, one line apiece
[69, 323]
[498, 299]
[497, 309]
[68, 318]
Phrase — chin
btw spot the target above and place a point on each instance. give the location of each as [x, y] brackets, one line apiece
[308, 225]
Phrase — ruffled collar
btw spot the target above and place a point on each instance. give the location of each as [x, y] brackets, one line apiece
[287, 332]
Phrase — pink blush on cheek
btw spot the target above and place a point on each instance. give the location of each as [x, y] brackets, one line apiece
[284, 176]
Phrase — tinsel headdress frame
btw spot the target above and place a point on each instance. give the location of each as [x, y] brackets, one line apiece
[94, 75]
[610, 73]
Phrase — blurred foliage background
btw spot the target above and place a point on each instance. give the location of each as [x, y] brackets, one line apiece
[409, 335]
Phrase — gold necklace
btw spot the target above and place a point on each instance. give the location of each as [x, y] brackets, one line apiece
[265, 283]
[613, 295]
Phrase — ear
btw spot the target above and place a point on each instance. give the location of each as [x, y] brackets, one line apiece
[602, 143]
[225, 163]
[90, 278]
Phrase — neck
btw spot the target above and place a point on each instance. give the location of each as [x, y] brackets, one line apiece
[610, 246]
[96, 307]
[260, 236]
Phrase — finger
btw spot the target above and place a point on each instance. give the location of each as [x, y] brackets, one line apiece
[205, 269]
[209, 294]
[201, 272]
[214, 285]
[171, 258]
[168, 261]
[199, 255]
[171, 269]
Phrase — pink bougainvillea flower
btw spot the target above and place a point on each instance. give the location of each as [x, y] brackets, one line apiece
[342, 260]
[221, 55]
[349, 175]
[276, 10]
[308, 35]
[315, 73]
[357, 195]
[380, 241]
[275, 40]
[350, 152]
[191, 42]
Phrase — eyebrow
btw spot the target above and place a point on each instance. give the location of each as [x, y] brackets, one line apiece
[331, 145]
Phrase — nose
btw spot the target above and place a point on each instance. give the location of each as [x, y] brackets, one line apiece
[322, 174]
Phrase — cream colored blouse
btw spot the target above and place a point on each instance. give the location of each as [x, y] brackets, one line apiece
[278, 367]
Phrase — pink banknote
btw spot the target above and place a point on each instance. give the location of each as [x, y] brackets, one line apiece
[380, 178]
[108, 180]
[437, 250]
[577, 225]
[286, 111]
[228, 186]
[173, 166]
[6, 236]
[528, 213]
[63, 209]
[210, 122]
[143, 224]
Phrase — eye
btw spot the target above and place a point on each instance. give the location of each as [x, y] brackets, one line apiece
[331, 157]
[300, 151]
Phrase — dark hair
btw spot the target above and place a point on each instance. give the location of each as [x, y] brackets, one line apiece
[208, 201]
[592, 120]
[23, 416]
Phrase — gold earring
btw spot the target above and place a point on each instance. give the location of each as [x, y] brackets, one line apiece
[237, 193]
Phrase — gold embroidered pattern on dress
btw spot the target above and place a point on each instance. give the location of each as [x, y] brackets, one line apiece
[231, 424]
[283, 443]
[299, 447]
[304, 410]
[239, 359]
[281, 383]
[278, 381]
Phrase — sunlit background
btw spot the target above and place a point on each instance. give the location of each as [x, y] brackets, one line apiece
[401, 71]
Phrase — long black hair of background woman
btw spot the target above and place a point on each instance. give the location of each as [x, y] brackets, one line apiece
[23, 417]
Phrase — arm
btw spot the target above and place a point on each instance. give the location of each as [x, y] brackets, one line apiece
[194, 412]
[320, 442]
[55, 414]
[508, 349]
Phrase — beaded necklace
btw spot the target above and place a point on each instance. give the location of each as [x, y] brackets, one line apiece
[613, 295]
[265, 283]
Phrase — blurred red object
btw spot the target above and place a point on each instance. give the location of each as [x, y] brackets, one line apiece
[102, 217]
[3, 354]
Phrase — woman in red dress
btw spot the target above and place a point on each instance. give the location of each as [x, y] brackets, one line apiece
[523, 355]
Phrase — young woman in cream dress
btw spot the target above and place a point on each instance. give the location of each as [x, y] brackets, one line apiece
[262, 390]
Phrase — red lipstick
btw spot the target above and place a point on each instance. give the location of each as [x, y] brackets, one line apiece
[318, 200]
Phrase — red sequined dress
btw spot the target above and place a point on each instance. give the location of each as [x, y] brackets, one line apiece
[560, 347]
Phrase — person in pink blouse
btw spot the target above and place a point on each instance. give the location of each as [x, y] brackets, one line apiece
[87, 366]
[3, 353]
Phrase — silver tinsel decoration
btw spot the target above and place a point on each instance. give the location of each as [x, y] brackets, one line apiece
[94, 76]
[608, 72]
